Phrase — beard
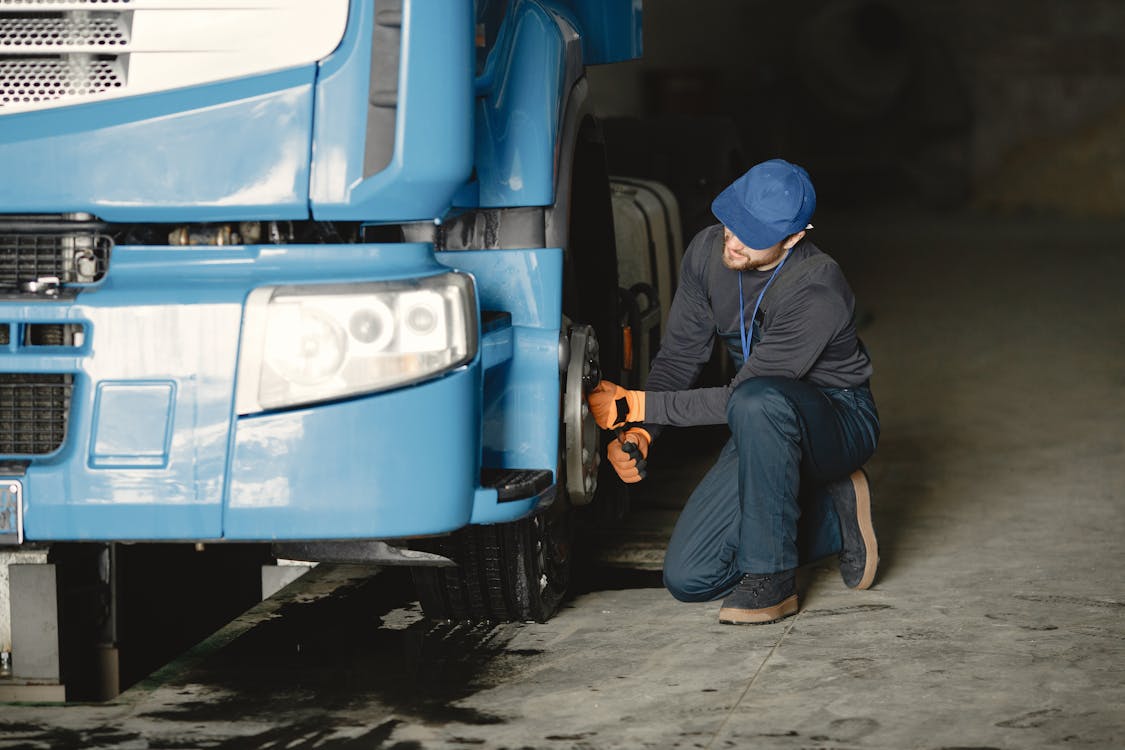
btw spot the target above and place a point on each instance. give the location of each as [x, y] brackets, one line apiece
[737, 262]
[741, 264]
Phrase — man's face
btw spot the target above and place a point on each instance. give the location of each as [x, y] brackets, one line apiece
[738, 257]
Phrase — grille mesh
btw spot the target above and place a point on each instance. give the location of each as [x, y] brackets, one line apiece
[20, 32]
[33, 413]
[59, 53]
[51, 4]
[43, 79]
[53, 334]
[72, 259]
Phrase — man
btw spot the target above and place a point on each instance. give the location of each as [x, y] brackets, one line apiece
[787, 488]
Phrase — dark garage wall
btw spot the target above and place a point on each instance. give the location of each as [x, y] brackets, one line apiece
[1005, 105]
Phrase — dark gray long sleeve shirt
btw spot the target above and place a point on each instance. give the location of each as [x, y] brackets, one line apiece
[805, 330]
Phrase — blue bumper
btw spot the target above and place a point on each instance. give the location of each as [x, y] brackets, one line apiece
[394, 464]
[154, 449]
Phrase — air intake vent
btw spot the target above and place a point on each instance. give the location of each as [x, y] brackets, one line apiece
[71, 51]
[42, 79]
[59, 52]
[60, 4]
[30, 259]
[34, 409]
[94, 30]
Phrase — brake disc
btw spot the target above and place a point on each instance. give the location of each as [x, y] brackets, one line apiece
[583, 454]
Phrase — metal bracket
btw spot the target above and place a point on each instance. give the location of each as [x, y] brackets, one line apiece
[34, 631]
[48, 286]
[358, 552]
[11, 511]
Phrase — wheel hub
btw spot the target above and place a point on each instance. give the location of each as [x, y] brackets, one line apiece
[581, 432]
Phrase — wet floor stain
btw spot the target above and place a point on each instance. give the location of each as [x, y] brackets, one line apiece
[319, 662]
[859, 667]
[421, 672]
[852, 728]
[852, 610]
[1071, 601]
[1031, 720]
[30, 736]
[312, 734]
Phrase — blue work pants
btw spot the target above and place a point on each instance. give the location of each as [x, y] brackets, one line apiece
[760, 508]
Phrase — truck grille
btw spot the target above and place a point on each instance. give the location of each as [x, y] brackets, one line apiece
[56, 53]
[70, 258]
[33, 412]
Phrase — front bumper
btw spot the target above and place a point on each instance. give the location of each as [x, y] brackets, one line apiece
[155, 451]
[393, 464]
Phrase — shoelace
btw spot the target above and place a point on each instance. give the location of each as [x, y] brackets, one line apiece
[756, 583]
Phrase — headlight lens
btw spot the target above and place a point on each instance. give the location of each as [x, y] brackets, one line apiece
[303, 344]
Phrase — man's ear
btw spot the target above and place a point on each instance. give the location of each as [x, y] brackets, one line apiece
[794, 239]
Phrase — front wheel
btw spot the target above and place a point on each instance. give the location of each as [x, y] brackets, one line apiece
[511, 571]
[521, 570]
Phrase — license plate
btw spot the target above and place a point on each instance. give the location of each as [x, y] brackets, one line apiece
[11, 511]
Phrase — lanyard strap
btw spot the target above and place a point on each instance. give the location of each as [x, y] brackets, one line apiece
[746, 334]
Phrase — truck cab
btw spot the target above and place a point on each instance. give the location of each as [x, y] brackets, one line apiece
[328, 275]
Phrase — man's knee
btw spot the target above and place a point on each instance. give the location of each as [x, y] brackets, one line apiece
[685, 587]
[695, 585]
[761, 401]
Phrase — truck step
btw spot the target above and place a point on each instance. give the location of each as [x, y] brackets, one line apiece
[515, 484]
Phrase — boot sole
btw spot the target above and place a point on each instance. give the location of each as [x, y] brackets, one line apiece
[866, 528]
[731, 616]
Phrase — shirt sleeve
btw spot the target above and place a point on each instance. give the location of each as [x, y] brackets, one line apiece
[689, 331]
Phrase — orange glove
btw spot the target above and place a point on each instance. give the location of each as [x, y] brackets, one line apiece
[613, 406]
[629, 454]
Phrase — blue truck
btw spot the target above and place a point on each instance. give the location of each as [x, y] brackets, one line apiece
[332, 275]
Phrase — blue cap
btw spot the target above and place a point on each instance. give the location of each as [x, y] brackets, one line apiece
[767, 204]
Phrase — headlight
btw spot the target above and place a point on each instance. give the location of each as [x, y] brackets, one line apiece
[302, 344]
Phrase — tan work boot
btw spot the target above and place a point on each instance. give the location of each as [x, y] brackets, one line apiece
[760, 599]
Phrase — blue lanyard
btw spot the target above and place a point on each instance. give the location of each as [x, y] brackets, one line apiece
[742, 308]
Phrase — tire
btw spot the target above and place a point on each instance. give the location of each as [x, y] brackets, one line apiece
[516, 571]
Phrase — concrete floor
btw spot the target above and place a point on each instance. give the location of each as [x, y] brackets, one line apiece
[998, 620]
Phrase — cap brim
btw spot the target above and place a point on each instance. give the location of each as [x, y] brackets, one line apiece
[749, 231]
